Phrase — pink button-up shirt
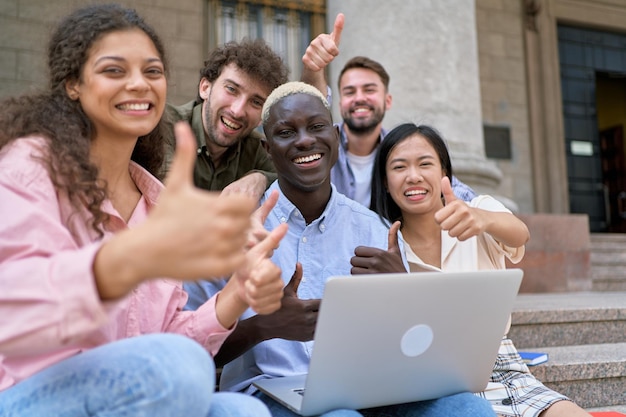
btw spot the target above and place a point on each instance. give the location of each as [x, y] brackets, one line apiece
[49, 306]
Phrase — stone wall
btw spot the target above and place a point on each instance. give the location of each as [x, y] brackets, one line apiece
[558, 254]
[503, 89]
[25, 26]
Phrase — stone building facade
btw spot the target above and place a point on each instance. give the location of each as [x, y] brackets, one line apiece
[523, 90]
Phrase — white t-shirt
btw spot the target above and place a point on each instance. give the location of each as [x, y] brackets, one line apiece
[362, 167]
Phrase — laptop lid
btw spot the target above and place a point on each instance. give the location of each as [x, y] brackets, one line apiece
[393, 338]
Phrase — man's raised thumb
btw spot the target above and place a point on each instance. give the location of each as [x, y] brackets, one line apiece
[338, 28]
[294, 282]
[392, 245]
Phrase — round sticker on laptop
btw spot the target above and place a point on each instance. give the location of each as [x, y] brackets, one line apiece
[416, 340]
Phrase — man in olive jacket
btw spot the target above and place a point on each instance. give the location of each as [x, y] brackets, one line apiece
[235, 81]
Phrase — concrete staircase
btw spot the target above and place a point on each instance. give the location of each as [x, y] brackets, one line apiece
[584, 333]
[608, 262]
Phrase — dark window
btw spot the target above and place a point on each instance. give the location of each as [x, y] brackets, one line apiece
[497, 141]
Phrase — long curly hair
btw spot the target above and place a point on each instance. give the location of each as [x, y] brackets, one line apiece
[62, 121]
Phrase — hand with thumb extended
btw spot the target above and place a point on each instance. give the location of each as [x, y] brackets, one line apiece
[324, 48]
[291, 289]
[369, 260]
[296, 318]
[260, 279]
[203, 230]
[257, 229]
[446, 191]
[337, 29]
[190, 233]
[458, 218]
[392, 238]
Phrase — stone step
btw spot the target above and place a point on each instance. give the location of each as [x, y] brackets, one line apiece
[620, 408]
[607, 237]
[608, 272]
[563, 319]
[591, 375]
[615, 257]
[584, 333]
[608, 284]
[607, 244]
[608, 262]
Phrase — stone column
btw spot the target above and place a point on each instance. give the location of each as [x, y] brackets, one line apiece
[429, 48]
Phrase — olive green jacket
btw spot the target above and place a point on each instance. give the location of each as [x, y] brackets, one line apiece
[249, 155]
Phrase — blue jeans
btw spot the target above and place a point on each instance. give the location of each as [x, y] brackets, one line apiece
[458, 405]
[160, 375]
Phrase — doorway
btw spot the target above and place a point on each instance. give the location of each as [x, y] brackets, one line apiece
[593, 81]
[611, 105]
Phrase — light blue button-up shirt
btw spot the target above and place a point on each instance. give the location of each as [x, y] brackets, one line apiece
[324, 248]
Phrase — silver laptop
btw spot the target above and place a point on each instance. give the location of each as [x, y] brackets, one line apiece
[394, 338]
